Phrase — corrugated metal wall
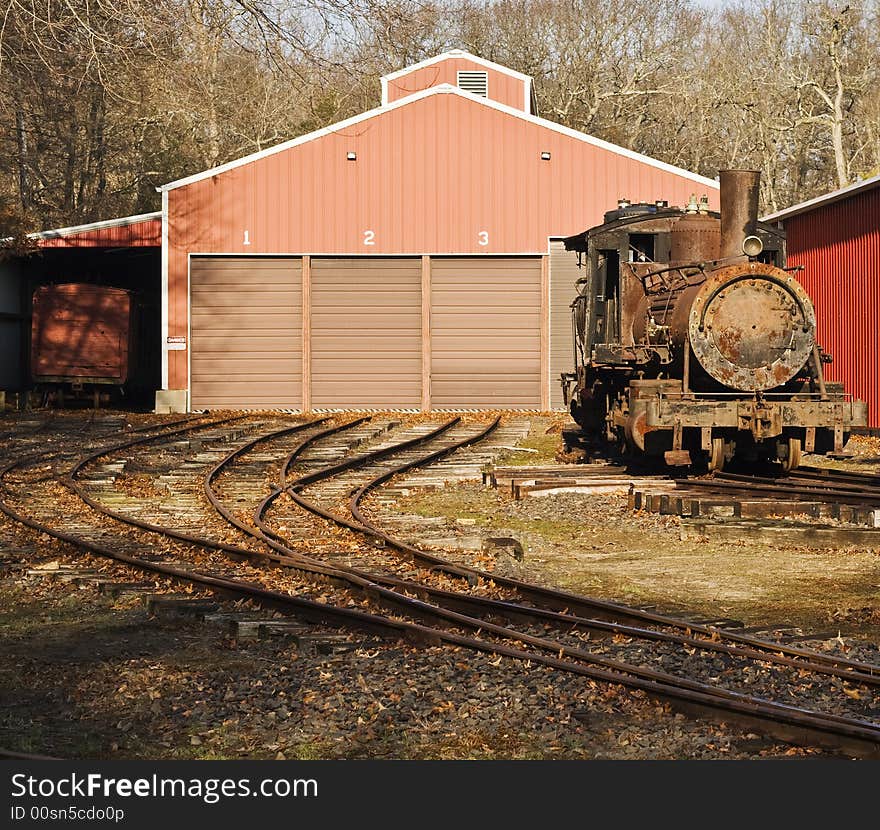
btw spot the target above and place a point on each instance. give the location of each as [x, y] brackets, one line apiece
[147, 233]
[440, 175]
[839, 246]
[366, 333]
[486, 332]
[246, 336]
[563, 274]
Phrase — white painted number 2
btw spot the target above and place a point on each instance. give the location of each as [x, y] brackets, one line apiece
[483, 237]
[369, 238]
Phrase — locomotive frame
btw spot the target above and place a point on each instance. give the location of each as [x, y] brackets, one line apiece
[693, 341]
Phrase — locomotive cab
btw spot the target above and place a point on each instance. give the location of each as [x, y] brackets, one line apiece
[693, 341]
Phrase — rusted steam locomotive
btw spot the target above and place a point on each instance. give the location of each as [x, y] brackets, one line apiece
[694, 341]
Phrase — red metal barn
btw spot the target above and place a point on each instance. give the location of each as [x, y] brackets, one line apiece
[404, 258]
[836, 238]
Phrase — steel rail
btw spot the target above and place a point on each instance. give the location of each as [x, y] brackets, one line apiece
[836, 666]
[33, 457]
[567, 651]
[70, 481]
[788, 723]
[768, 651]
[864, 735]
[573, 653]
[836, 475]
[286, 557]
[363, 525]
[821, 485]
[749, 485]
[483, 606]
[75, 470]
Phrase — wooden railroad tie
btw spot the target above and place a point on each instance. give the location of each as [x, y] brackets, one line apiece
[701, 504]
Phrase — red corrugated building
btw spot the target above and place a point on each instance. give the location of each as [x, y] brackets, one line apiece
[836, 238]
[404, 258]
[141, 231]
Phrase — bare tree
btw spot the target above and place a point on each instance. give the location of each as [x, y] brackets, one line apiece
[102, 100]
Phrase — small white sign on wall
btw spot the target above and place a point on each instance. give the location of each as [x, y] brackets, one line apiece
[176, 344]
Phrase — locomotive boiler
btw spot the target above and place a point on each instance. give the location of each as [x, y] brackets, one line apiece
[694, 341]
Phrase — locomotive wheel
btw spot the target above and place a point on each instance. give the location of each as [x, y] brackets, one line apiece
[793, 461]
[716, 456]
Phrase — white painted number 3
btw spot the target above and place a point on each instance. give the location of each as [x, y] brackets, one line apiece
[483, 237]
[369, 238]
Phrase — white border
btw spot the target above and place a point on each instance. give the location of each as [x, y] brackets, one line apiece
[188, 335]
[828, 198]
[443, 89]
[455, 53]
[96, 226]
[460, 54]
[164, 279]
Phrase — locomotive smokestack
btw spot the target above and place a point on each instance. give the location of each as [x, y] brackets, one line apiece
[739, 209]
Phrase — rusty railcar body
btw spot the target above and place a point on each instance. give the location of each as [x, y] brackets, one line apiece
[693, 341]
[81, 338]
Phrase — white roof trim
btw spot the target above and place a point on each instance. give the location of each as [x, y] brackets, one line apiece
[455, 53]
[443, 89]
[96, 226]
[461, 54]
[828, 198]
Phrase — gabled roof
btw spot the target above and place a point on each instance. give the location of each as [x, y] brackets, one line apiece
[456, 53]
[440, 89]
[827, 199]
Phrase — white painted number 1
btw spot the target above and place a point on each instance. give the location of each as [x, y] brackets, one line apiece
[247, 238]
[483, 237]
[369, 238]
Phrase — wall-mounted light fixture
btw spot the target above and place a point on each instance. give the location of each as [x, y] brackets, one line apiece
[351, 155]
[545, 156]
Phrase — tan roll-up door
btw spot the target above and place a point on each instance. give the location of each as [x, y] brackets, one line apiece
[486, 332]
[563, 275]
[366, 333]
[246, 333]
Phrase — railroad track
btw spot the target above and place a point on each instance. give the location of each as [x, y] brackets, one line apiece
[729, 644]
[403, 591]
[808, 484]
[36, 496]
[812, 504]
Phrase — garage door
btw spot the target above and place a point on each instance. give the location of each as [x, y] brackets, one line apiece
[486, 332]
[246, 333]
[366, 333]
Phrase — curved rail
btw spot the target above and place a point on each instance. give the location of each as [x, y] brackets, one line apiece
[518, 610]
[859, 736]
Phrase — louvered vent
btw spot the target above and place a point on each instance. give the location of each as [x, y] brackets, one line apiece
[474, 82]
